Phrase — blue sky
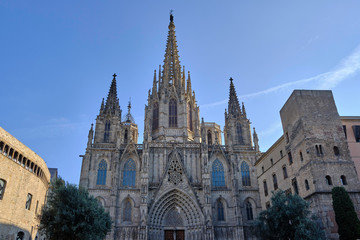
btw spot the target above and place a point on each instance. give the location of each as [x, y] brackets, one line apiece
[57, 59]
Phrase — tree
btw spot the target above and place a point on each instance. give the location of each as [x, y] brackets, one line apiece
[287, 218]
[345, 215]
[71, 213]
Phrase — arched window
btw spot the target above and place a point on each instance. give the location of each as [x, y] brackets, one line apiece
[129, 173]
[265, 188]
[249, 211]
[126, 136]
[336, 151]
[155, 123]
[239, 134]
[107, 131]
[301, 156]
[245, 174]
[220, 211]
[172, 113]
[275, 181]
[209, 137]
[307, 187]
[101, 177]
[218, 177]
[20, 236]
[328, 180]
[342, 179]
[2, 188]
[189, 116]
[127, 211]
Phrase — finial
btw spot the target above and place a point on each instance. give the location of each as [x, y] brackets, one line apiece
[171, 16]
[129, 105]
[114, 75]
[231, 79]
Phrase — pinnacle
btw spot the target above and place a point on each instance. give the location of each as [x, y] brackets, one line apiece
[233, 106]
[112, 102]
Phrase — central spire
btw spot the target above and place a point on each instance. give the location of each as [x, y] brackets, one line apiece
[233, 105]
[112, 102]
[171, 68]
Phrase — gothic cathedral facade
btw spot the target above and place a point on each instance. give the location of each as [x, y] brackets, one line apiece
[181, 182]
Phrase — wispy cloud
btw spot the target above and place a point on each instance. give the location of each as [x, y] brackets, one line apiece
[347, 67]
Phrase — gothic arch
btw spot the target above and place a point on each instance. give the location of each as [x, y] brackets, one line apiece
[127, 207]
[124, 159]
[101, 201]
[214, 160]
[175, 199]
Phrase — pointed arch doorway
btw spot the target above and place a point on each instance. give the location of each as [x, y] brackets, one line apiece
[174, 225]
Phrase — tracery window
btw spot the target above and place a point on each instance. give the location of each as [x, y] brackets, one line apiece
[245, 174]
[220, 211]
[218, 177]
[107, 131]
[101, 177]
[172, 113]
[209, 137]
[127, 211]
[249, 211]
[189, 116]
[129, 173]
[2, 188]
[28, 201]
[155, 123]
[239, 134]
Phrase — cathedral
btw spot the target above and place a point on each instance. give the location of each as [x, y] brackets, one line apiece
[180, 182]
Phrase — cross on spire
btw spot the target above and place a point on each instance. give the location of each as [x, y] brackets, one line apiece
[231, 79]
[114, 75]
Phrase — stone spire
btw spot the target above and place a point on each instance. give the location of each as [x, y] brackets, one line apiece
[112, 106]
[233, 106]
[256, 141]
[188, 84]
[154, 89]
[171, 67]
[102, 106]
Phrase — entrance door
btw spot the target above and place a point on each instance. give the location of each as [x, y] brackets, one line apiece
[174, 235]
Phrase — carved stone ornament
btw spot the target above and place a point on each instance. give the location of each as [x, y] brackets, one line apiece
[175, 172]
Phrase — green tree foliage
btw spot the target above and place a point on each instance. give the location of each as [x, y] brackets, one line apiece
[345, 215]
[71, 213]
[287, 218]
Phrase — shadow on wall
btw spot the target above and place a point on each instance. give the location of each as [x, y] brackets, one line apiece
[12, 232]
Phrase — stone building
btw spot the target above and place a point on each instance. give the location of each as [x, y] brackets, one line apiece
[180, 182]
[351, 126]
[24, 181]
[311, 157]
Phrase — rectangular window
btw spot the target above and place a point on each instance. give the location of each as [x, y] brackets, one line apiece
[344, 128]
[290, 158]
[275, 182]
[2, 188]
[285, 172]
[265, 188]
[295, 186]
[28, 201]
[267, 204]
[281, 154]
[356, 133]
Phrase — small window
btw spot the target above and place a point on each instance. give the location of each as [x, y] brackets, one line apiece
[265, 188]
[2, 188]
[249, 211]
[127, 211]
[126, 136]
[267, 205]
[1, 146]
[272, 161]
[356, 130]
[107, 131]
[281, 154]
[290, 158]
[220, 208]
[262, 169]
[28, 201]
[328, 180]
[209, 137]
[344, 128]
[301, 156]
[336, 151]
[275, 182]
[285, 172]
[295, 186]
[20, 236]
[287, 137]
[319, 151]
[307, 187]
[343, 180]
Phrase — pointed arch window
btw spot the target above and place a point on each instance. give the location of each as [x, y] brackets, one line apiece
[126, 136]
[239, 134]
[107, 131]
[101, 177]
[209, 137]
[245, 174]
[218, 177]
[127, 211]
[189, 116]
[249, 211]
[129, 173]
[220, 211]
[155, 123]
[172, 113]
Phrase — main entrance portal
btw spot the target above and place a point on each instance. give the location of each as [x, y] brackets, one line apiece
[174, 235]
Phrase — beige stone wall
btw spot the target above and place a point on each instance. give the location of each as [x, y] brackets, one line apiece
[354, 146]
[21, 180]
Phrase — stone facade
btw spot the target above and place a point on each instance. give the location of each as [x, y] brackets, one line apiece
[351, 127]
[311, 157]
[24, 181]
[180, 181]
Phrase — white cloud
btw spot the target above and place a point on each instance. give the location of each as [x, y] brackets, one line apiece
[347, 67]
